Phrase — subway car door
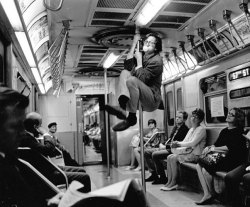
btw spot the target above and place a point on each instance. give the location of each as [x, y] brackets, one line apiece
[174, 102]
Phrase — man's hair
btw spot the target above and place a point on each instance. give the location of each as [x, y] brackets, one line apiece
[184, 113]
[52, 124]
[9, 97]
[31, 120]
[151, 121]
[158, 41]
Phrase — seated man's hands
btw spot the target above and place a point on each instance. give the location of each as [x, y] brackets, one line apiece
[55, 200]
[162, 146]
[175, 144]
[248, 168]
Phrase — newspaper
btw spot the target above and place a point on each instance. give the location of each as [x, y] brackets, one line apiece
[116, 191]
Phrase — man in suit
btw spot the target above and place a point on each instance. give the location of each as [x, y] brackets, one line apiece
[32, 125]
[51, 136]
[15, 189]
[154, 156]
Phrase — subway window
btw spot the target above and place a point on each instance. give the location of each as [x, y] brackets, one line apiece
[179, 99]
[170, 108]
[215, 98]
[247, 116]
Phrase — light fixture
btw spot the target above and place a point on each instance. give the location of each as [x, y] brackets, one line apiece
[111, 58]
[149, 10]
[38, 80]
[12, 14]
[22, 39]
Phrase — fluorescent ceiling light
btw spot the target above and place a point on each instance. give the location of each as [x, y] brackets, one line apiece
[22, 39]
[36, 75]
[150, 9]
[48, 85]
[12, 14]
[111, 59]
[38, 80]
[41, 88]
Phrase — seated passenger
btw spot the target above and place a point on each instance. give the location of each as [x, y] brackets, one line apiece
[231, 140]
[32, 125]
[195, 140]
[154, 156]
[153, 130]
[14, 189]
[51, 135]
[85, 137]
[95, 136]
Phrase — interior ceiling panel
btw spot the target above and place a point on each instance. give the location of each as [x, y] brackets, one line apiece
[128, 4]
[96, 26]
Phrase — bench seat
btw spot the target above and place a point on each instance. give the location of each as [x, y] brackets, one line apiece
[188, 176]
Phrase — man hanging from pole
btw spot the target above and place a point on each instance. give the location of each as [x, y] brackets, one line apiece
[139, 81]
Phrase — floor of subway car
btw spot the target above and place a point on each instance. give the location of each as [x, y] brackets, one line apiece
[157, 198]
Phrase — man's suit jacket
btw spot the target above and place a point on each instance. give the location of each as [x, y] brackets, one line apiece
[14, 187]
[183, 130]
[48, 149]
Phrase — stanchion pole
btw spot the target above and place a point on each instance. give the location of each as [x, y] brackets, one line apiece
[106, 122]
[142, 148]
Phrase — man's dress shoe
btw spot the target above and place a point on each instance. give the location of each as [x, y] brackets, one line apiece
[151, 178]
[123, 125]
[116, 111]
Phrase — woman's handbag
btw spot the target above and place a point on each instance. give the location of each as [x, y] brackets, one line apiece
[181, 150]
[211, 159]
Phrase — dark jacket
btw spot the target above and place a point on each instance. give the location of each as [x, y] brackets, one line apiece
[179, 136]
[150, 73]
[236, 144]
[48, 149]
[14, 188]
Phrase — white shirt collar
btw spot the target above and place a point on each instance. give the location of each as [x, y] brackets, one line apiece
[2, 154]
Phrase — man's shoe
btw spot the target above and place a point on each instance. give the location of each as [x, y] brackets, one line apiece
[159, 181]
[151, 178]
[117, 111]
[123, 125]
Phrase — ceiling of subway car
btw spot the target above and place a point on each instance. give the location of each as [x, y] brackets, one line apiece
[97, 26]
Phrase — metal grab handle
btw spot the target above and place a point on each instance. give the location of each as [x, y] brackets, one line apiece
[212, 25]
[184, 52]
[178, 59]
[227, 18]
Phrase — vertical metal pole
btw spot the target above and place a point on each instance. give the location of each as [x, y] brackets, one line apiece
[142, 148]
[106, 121]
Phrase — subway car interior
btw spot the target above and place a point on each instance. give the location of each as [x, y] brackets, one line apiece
[67, 57]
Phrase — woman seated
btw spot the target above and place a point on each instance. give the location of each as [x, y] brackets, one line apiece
[195, 140]
[231, 140]
[135, 153]
[235, 177]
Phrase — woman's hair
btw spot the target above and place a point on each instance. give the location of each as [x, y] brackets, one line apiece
[151, 121]
[158, 41]
[239, 120]
[199, 113]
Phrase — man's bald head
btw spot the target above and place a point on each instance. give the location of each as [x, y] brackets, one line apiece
[32, 122]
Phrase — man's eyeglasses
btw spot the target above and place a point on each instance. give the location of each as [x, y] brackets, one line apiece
[148, 42]
[231, 114]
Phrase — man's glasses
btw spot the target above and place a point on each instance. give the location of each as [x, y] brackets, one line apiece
[146, 42]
